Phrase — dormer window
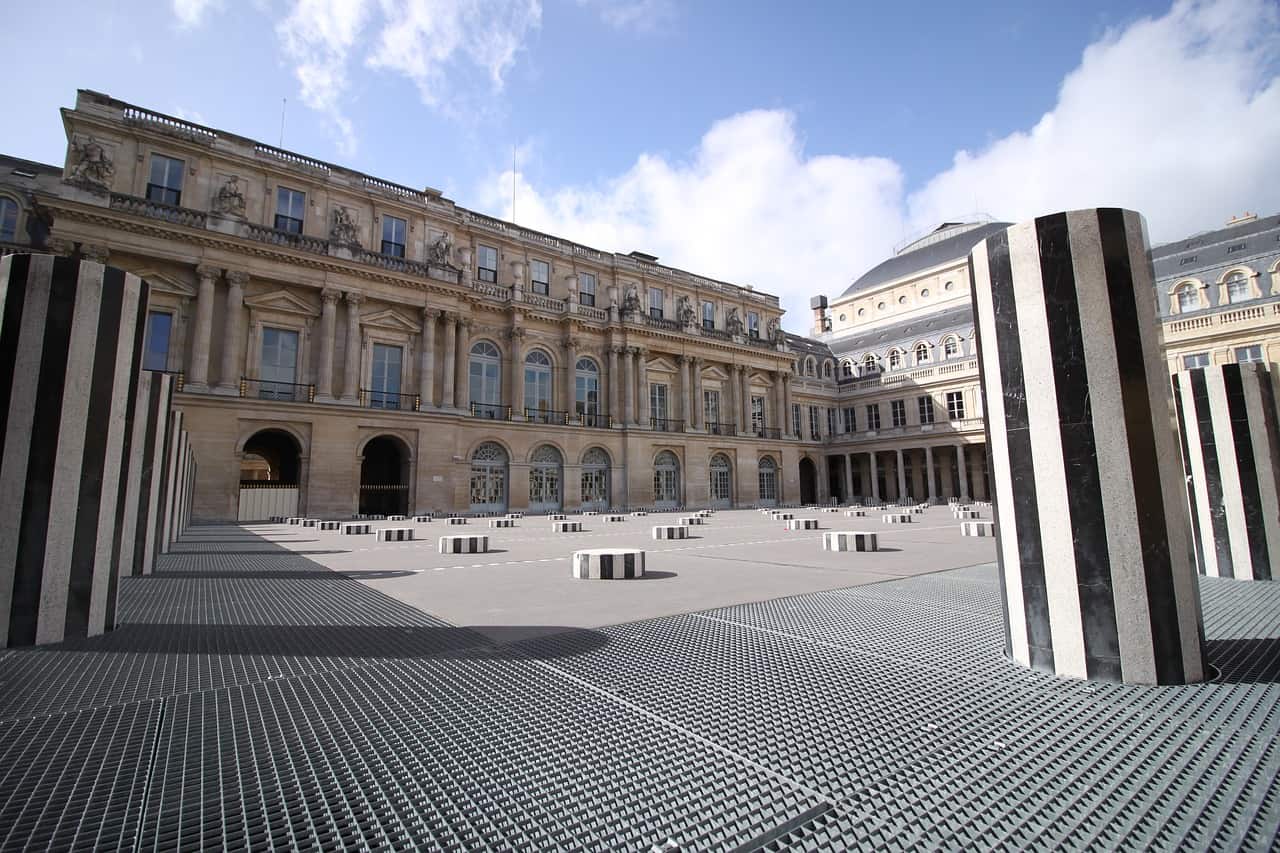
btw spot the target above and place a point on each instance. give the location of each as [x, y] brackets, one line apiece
[1188, 298]
[922, 353]
[1238, 287]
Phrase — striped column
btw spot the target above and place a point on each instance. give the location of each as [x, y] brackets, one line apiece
[70, 350]
[1230, 431]
[1095, 560]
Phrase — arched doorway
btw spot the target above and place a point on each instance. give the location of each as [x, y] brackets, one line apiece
[808, 481]
[768, 482]
[270, 476]
[546, 467]
[489, 478]
[384, 477]
[666, 480]
[595, 479]
[720, 487]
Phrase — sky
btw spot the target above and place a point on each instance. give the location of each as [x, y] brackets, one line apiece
[788, 146]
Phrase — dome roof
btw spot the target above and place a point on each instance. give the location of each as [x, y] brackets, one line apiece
[927, 256]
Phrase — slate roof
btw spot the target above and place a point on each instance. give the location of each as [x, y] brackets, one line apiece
[916, 260]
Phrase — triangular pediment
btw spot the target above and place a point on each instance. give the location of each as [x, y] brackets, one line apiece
[714, 372]
[165, 283]
[661, 364]
[282, 301]
[390, 318]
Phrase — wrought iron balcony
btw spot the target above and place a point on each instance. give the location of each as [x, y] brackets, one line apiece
[595, 419]
[546, 416]
[492, 411]
[721, 428]
[768, 432]
[666, 425]
[265, 389]
[372, 399]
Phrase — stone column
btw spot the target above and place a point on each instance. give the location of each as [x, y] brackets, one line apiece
[515, 347]
[901, 471]
[615, 411]
[780, 401]
[787, 426]
[928, 473]
[1099, 579]
[699, 410]
[461, 391]
[198, 380]
[1230, 431]
[681, 412]
[570, 391]
[629, 377]
[351, 366]
[875, 476]
[233, 335]
[962, 472]
[328, 331]
[642, 385]
[744, 401]
[450, 359]
[427, 364]
[848, 476]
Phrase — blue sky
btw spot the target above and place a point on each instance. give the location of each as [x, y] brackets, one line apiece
[788, 146]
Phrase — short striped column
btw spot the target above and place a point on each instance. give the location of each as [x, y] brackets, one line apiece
[613, 518]
[71, 410]
[670, 531]
[557, 516]
[356, 528]
[830, 509]
[515, 515]
[455, 519]
[1228, 425]
[422, 519]
[276, 519]
[310, 522]
[964, 514]
[502, 522]
[294, 520]
[977, 528]
[639, 514]
[1093, 537]
[330, 525]
[395, 534]
[896, 518]
[608, 564]
[566, 526]
[855, 513]
[693, 519]
[395, 518]
[590, 512]
[466, 543]
[802, 524]
[782, 516]
[849, 540]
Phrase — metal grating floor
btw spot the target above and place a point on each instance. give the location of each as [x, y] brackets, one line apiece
[254, 700]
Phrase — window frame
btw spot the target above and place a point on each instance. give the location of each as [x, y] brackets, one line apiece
[753, 325]
[814, 424]
[925, 409]
[709, 316]
[542, 286]
[487, 382]
[385, 398]
[165, 188]
[539, 372]
[284, 221]
[586, 388]
[656, 311]
[873, 417]
[587, 294]
[955, 406]
[1197, 356]
[898, 413]
[1246, 348]
[483, 273]
[388, 219]
[171, 317]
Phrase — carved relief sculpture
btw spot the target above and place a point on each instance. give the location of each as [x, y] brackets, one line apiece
[776, 335]
[93, 169]
[733, 323]
[684, 311]
[229, 200]
[343, 231]
[441, 252]
[631, 302]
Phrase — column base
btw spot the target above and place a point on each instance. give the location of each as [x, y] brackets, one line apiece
[326, 398]
[227, 390]
[196, 388]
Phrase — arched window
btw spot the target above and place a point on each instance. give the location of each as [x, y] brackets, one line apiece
[826, 370]
[489, 478]
[846, 369]
[870, 364]
[721, 481]
[537, 384]
[810, 366]
[950, 348]
[586, 392]
[666, 480]
[922, 353]
[8, 220]
[1238, 287]
[486, 387]
[595, 479]
[768, 481]
[545, 468]
[1188, 298]
[895, 359]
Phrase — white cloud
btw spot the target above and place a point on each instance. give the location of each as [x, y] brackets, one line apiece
[190, 13]
[638, 15]
[431, 42]
[1177, 117]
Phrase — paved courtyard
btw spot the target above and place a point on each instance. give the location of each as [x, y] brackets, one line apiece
[274, 686]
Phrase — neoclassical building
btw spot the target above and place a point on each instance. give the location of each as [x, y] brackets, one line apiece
[347, 344]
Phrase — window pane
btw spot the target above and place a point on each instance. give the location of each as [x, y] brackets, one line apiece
[8, 219]
[159, 326]
[1249, 354]
[1199, 359]
[165, 185]
[279, 362]
[586, 288]
[540, 276]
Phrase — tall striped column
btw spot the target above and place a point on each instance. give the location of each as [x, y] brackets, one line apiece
[70, 350]
[144, 509]
[1095, 559]
[1230, 431]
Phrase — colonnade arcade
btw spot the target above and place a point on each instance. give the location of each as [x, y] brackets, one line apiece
[958, 471]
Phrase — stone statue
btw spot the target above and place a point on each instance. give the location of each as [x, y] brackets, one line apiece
[441, 252]
[631, 302]
[229, 200]
[733, 323]
[776, 335]
[343, 231]
[684, 311]
[93, 168]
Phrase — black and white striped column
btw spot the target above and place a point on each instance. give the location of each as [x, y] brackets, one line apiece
[70, 350]
[1095, 559]
[146, 482]
[1230, 431]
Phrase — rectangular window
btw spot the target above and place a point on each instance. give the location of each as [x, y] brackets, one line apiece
[757, 415]
[1196, 359]
[955, 405]
[165, 185]
[711, 407]
[487, 263]
[813, 423]
[540, 277]
[873, 416]
[1249, 354]
[655, 303]
[708, 315]
[795, 420]
[586, 288]
[279, 364]
[658, 401]
[291, 207]
[394, 230]
[925, 404]
[159, 328]
[537, 387]
[385, 377]
[850, 419]
[753, 324]
[898, 412]
[831, 421]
